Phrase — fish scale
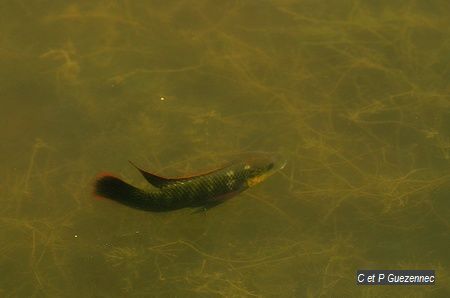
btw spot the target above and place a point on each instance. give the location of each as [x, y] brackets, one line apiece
[204, 190]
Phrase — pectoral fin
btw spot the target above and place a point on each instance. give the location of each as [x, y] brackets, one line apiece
[207, 206]
[216, 201]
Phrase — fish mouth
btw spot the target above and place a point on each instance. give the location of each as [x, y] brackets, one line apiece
[279, 164]
[276, 162]
[273, 161]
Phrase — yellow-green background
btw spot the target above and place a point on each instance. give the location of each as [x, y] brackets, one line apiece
[355, 94]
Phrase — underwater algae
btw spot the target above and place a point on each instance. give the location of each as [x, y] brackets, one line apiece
[355, 93]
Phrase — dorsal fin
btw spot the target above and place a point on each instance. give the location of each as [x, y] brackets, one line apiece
[159, 181]
[153, 179]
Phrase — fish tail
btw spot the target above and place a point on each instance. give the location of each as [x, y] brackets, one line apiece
[116, 189]
[111, 187]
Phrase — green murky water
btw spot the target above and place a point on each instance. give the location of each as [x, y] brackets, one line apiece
[354, 94]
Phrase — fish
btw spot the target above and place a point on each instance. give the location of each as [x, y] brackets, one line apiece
[202, 191]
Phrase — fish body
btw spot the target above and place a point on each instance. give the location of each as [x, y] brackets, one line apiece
[205, 190]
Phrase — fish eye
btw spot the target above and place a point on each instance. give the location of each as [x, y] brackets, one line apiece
[270, 166]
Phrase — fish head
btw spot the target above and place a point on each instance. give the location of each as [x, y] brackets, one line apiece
[262, 166]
